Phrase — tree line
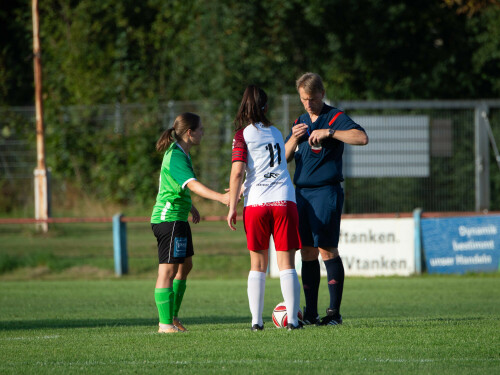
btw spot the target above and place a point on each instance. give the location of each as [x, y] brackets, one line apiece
[111, 51]
[156, 51]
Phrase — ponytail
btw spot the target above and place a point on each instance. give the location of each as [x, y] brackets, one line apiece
[184, 122]
[165, 140]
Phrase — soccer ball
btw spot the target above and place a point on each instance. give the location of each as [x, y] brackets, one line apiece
[280, 319]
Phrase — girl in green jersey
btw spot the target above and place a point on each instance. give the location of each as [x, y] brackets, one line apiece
[169, 220]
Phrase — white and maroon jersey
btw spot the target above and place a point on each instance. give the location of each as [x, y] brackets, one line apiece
[267, 178]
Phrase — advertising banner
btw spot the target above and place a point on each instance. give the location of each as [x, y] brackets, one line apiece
[461, 244]
[370, 247]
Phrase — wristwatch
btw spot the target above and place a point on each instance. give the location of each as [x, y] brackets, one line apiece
[331, 132]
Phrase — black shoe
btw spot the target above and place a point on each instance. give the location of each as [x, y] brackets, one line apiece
[291, 327]
[256, 327]
[332, 318]
[310, 320]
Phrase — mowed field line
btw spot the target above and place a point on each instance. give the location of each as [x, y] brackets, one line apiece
[286, 362]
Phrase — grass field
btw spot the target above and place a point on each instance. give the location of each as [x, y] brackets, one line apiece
[86, 251]
[431, 325]
[62, 311]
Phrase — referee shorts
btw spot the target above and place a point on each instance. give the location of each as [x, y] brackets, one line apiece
[175, 242]
[320, 209]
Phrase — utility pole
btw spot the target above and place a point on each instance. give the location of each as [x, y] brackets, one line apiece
[41, 175]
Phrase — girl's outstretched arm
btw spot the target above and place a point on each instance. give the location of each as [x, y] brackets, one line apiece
[198, 188]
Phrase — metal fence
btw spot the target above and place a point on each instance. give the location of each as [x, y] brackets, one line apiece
[436, 155]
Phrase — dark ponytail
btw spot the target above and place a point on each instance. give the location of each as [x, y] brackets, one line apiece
[252, 108]
[165, 140]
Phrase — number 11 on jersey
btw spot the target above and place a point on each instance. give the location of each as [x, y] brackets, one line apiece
[270, 148]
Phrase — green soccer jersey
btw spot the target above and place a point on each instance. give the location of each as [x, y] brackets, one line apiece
[173, 201]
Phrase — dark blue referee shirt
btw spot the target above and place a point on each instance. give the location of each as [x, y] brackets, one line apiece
[316, 168]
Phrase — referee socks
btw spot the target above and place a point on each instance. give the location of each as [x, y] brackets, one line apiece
[310, 283]
[335, 275]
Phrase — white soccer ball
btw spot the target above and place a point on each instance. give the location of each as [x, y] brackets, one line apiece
[279, 316]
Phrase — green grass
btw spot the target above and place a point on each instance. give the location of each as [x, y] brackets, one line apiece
[62, 311]
[86, 250]
[416, 325]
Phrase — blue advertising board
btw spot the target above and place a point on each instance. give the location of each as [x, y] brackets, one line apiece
[461, 244]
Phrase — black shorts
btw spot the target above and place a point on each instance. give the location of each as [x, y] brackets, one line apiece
[175, 242]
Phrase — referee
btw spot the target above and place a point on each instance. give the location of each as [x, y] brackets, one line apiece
[316, 142]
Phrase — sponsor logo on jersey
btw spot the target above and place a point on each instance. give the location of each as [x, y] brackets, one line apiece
[271, 175]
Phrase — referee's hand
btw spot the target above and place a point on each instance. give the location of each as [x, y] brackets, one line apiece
[299, 130]
[317, 136]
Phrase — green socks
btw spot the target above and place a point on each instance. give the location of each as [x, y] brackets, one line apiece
[168, 301]
[164, 298]
[179, 289]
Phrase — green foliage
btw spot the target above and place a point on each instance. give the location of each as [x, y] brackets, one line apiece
[116, 165]
[410, 50]
[98, 52]
[153, 52]
[16, 64]
[494, 118]
[17, 158]
[8, 263]
[486, 57]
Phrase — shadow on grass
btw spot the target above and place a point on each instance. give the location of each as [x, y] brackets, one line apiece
[98, 323]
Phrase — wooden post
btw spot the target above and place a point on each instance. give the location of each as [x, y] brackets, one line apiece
[40, 173]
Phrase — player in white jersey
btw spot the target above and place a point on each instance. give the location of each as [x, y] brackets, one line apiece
[269, 204]
[267, 178]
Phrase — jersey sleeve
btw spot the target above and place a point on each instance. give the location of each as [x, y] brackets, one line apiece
[340, 121]
[181, 169]
[240, 149]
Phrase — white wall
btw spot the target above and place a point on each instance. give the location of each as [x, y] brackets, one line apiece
[369, 247]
